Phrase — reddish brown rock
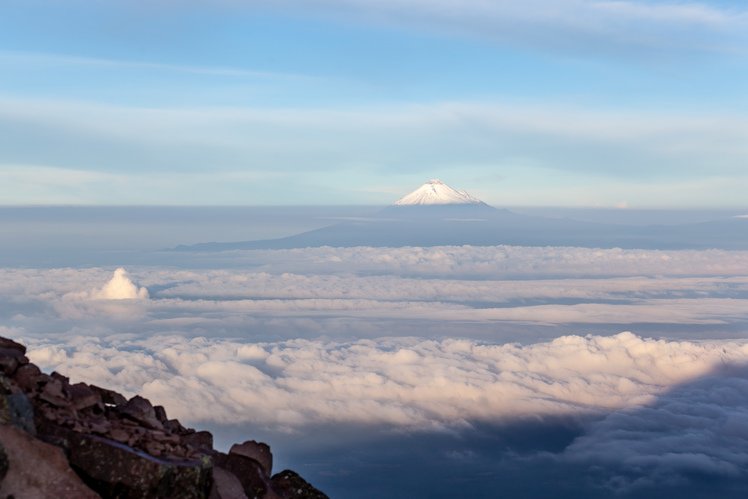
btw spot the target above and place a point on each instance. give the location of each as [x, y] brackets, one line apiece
[115, 470]
[165, 438]
[27, 377]
[141, 410]
[4, 463]
[37, 469]
[161, 414]
[54, 393]
[82, 396]
[258, 451]
[289, 485]
[8, 344]
[198, 440]
[59, 377]
[128, 448]
[249, 472]
[175, 426]
[119, 435]
[10, 360]
[109, 396]
[226, 486]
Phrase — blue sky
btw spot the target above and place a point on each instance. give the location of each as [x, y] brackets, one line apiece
[543, 102]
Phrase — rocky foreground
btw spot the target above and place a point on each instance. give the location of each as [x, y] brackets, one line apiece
[63, 440]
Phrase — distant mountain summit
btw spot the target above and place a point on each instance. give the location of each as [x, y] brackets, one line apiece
[436, 192]
[437, 215]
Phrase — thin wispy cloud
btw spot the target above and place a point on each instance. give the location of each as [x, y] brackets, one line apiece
[570, 142]
[568, 24]
[46, 60]
[568, 101]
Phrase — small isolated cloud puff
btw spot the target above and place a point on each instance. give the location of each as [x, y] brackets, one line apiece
[119, 297]
[120, 287]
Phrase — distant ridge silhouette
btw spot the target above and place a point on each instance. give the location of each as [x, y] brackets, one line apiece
[437, 215]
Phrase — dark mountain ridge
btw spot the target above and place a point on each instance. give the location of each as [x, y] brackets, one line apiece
[436, 215]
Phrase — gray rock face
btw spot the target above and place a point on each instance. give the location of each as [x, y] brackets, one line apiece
[16, 410]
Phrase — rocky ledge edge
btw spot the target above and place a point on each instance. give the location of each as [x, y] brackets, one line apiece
[81, 441]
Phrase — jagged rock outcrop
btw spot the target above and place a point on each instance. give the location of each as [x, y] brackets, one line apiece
[38, 469]
[288, 483]
[77, 440]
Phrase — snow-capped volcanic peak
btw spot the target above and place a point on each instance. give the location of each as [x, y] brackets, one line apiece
[436, 192]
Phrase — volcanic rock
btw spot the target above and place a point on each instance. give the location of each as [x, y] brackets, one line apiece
[82, 397]
[290, 485]
[27, 377]
[16, 410]
[102, 443]
[260, 452]
[11, 359]
[109, 396]
[142, 411]
[115, 470]
[249, 472]
[226, 486]
[4, 463]
[8, 344]
[37, 469]
[201, 440]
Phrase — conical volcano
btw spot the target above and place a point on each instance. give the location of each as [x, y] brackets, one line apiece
[437, 215]
[436, 192]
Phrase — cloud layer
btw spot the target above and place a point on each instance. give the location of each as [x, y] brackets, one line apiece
[406, 382]
[341, 290]
[456, 341]
[502, 262]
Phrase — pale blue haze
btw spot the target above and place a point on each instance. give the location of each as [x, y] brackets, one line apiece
[553, 103]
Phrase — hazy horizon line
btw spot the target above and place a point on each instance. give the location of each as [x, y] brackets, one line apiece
[364, 205]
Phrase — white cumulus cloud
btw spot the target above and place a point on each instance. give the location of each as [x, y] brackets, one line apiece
[407, 382]
[120, 287]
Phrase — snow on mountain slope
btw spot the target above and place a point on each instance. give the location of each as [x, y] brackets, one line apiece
[436, 192]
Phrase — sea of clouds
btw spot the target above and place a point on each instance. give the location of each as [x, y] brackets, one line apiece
[644, 350]
[413, 383]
